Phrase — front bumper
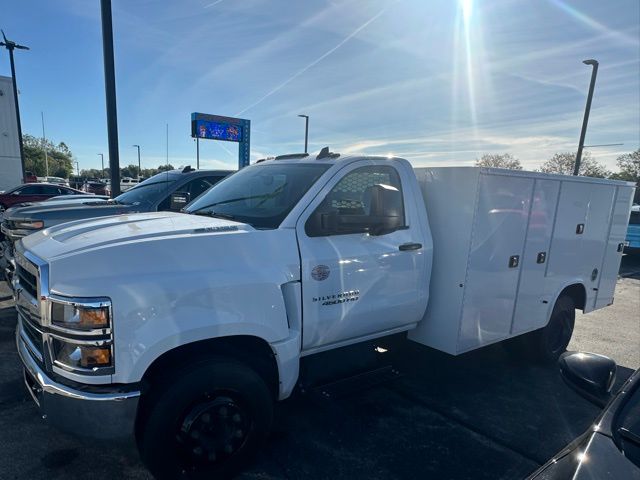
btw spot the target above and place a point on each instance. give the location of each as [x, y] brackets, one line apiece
[88, 411]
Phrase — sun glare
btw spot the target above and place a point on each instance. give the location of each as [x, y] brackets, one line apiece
[467, 10]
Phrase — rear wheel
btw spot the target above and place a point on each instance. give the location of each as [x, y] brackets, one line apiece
[548, 343]
[205, 422]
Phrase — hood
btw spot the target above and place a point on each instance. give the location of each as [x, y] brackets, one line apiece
[58, 212]
[79, 236]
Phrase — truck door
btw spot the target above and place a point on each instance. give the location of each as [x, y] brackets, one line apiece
[363, 262]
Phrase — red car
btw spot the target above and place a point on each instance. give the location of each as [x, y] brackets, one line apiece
[33, 192]
[97, 188]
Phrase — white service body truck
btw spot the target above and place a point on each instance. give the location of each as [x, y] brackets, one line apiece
[181, 329]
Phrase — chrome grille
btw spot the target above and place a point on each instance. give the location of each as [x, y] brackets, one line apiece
[28, 281]
[28, 307]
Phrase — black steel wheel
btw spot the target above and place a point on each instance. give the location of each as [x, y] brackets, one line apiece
[205, 422]
[546, 344]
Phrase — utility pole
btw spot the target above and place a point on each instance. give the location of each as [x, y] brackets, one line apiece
[110, 94]
[44, 146]
[197, 153]
[587, 109]
[102, 158]
[11, 46]
[306, 131]
[77, 168]
[139, 168]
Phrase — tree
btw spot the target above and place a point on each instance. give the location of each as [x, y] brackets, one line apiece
[59, 157]
[496, 160]
[629, 165]
[564, 163]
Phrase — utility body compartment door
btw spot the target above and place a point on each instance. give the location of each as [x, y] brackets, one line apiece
[531, 313]
[359, 280]
[613, 253]
[495, 258]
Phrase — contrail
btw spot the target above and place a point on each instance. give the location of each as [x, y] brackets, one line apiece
[315, 62]
[213, 4]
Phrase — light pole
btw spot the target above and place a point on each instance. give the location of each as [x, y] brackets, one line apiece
[110, 95]
[44, 146]
[306, 131]
[11, 46]
[102, 158]
[77, 168]
[139, 168]
[587, 109]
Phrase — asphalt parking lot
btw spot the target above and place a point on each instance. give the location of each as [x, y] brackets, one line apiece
[481, 415]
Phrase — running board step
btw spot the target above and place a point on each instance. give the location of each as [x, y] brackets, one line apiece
[357, 383]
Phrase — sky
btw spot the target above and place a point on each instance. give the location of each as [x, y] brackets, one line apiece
[439, 82]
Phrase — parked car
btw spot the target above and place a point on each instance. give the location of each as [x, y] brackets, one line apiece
[29, 177]
[125, 183]
[33, 192]
[189, 326]
[56, 181]
[165, 191]
[97, 188]
[610, 448]
[633, 231]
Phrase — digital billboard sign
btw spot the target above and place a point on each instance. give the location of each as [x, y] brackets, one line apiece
[218, 131]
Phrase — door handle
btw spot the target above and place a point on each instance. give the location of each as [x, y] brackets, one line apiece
[410, 246]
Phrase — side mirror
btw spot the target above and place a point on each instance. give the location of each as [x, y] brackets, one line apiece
[589, 374]
[179, 200]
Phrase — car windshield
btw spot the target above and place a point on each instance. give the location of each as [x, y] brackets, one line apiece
[147, 191]
[261, 195]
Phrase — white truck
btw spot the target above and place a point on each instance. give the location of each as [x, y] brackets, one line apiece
[181, 330]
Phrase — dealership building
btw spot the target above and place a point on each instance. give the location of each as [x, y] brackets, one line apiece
[10, 165]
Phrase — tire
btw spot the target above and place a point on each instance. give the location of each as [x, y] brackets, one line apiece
[205, 421]
[548, 343]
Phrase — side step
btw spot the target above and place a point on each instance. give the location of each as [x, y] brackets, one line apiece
[357, 383]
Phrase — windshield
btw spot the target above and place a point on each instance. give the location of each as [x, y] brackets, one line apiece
[147, 191]
[261, 195]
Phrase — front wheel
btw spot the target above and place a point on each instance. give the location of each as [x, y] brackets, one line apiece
[205, 422]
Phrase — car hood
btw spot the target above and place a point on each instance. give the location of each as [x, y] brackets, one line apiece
[75, 237]
[55, 213]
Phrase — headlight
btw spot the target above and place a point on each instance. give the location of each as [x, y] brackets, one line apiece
[29, 224]
[79, 317]
[77, 356]
[80, 336]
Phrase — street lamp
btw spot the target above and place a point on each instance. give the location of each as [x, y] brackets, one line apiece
[587, 109]
[77, 169]
[11, 46]
[306, 131]
[102, 158]
[139, 169]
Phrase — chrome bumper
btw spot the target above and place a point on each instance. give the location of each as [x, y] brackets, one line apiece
[101, 413]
